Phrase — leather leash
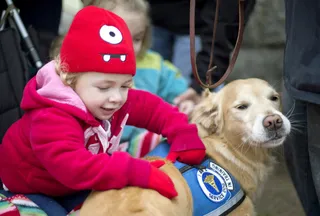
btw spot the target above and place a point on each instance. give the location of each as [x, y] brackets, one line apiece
[235, 53]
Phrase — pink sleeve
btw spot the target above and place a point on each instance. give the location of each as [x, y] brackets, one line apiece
[149, 111]
[57, 139]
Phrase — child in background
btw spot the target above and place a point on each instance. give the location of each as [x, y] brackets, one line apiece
[153, 73]
[76, 107]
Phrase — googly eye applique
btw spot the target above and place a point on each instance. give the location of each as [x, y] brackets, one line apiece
[110, 34]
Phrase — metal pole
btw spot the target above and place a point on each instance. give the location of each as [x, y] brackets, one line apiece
[34, 55]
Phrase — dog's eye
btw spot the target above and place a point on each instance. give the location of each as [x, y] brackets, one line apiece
[242, 106]
[274, 98]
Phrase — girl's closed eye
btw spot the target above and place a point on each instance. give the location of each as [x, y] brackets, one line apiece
[127, 86]
[139, 36]
[103, 88]
[137, 39]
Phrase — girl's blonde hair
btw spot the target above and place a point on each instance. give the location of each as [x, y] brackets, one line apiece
[66, 77]
[139, 6]
[69, 79]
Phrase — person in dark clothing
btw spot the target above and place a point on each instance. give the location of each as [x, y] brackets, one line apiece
[44, 16]
[171, 23]
[301, 99]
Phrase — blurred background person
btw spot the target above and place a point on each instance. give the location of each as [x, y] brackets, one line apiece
[170, 36]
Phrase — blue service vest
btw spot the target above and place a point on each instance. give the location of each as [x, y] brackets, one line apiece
[214, 190]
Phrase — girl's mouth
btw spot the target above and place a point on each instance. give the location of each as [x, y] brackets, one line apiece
[108, 111]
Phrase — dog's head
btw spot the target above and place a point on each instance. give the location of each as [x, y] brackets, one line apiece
[246, 111]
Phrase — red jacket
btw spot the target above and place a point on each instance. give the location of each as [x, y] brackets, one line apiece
[57, 147]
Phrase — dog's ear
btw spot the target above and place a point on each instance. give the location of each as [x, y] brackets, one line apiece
[206, 115]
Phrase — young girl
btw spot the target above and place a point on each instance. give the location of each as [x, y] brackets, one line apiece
[67, 142]
[153, 73]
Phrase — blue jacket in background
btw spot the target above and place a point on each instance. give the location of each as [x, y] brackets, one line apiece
[160, 77]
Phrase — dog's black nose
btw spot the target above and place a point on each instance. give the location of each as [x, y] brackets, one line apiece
[272, 122]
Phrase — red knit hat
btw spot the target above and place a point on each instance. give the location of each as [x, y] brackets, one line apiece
[98, 41]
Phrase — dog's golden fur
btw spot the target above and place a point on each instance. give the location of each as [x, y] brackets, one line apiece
[229, 123]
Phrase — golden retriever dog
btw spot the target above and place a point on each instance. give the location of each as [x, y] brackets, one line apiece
[239, 126]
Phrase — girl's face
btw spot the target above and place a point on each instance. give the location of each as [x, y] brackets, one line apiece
[136, 23]
[103, 94]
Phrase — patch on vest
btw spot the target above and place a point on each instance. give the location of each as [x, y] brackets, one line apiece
[215, 183]
[215, 192]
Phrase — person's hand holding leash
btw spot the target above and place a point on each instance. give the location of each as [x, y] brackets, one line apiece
[186, 106]
[190, 94]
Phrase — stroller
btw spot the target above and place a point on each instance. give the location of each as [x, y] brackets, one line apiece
[18, 55]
